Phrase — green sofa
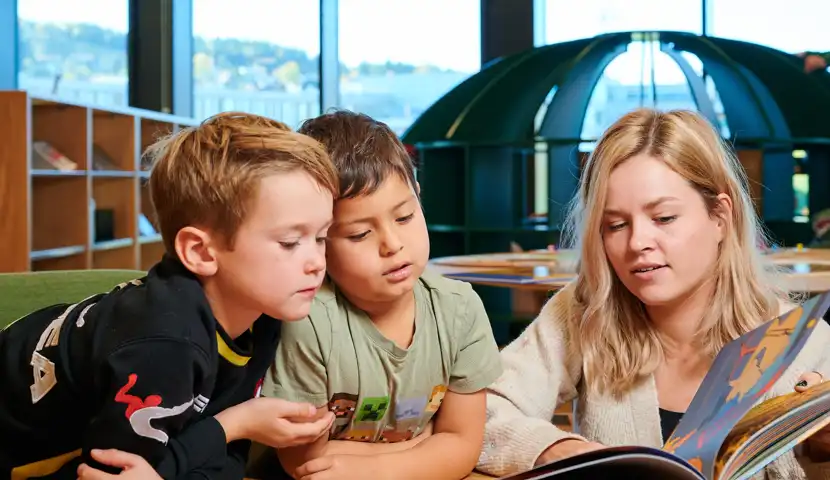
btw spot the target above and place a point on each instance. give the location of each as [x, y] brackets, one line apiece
[21, 293]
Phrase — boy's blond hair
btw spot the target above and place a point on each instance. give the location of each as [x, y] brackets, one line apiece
[207, 175]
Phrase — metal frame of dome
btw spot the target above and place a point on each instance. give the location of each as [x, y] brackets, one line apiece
[765, 93]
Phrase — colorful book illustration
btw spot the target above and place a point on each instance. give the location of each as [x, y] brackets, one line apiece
[537, 275]
[725, 434]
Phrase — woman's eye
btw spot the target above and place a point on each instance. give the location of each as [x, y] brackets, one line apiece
[616, 226]
[289, 245]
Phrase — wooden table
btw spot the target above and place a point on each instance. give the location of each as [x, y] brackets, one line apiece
[805, 270]
[538, 270]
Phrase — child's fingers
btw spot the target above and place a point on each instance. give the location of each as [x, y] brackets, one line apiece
[85, 472]
[807, 380]
[314, 429]
[313, 466]
[287, 409]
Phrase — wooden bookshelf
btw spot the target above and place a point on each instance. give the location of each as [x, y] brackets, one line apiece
[83, 218]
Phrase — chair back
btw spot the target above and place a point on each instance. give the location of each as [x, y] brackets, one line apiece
[22, 293]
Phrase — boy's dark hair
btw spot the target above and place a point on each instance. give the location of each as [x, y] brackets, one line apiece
[365, 151]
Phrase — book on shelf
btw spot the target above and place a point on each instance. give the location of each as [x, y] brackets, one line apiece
[102, 161]
[725, 434]
[47, 157]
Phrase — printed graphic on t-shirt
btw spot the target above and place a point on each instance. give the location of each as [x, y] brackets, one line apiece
[141, 411]
[436, 398]
[372, 409]
[408, 408]
[343, 405]
[373, 422]
[361, 432]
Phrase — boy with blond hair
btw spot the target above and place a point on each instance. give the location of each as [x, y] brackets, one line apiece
[166, 367]
[401, 355]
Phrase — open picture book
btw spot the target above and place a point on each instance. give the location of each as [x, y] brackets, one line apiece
[725, 434]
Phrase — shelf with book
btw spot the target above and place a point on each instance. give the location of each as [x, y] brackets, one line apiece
[114, 146]
[113, 227]
[71, 184]
[151, 246]
[59, 222]
[153, 130]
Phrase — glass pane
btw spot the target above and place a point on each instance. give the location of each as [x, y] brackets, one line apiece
[795, 27]
[399, 58]
[801, 189]
[563, 22]
[257, 56]
[75, 51]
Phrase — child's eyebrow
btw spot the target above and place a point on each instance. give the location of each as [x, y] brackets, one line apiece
[302, 227]
[369, 219]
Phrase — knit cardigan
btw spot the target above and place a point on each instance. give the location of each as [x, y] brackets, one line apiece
[539, 375]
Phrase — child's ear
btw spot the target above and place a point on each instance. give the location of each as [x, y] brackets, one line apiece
[194, 249]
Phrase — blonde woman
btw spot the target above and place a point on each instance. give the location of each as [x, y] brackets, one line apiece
[669, 273]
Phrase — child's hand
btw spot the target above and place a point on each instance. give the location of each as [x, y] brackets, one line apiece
[275, 422]
[342, 467]
[133, 466]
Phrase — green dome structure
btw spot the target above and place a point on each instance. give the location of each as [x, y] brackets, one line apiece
[765, 92]
[475, 143]
[478, 146]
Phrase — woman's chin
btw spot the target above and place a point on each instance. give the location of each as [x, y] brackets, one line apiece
[655, 295]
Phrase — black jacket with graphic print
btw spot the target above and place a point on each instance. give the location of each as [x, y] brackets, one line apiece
[142, 368]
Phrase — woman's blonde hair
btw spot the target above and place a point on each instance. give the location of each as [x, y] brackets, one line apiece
[609, 327]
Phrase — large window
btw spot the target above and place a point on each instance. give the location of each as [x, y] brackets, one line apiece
[793, 27]
[643, 76]
[397, 57]
[257, 56]
[564, 22]
[76, 51]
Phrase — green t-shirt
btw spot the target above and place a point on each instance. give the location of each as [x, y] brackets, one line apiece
[379, 391]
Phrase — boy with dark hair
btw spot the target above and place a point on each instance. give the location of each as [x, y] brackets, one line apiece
[166, 366]
[402, 356]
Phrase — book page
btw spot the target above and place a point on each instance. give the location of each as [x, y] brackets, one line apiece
[744, 370]
[764, 427]
[620, 463]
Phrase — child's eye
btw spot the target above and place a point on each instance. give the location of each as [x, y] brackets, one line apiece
[322, 239]
[406, 218]
[666, 219]
[358, 236]
[289, 245]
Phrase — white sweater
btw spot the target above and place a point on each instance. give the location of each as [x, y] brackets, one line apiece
[539, 375]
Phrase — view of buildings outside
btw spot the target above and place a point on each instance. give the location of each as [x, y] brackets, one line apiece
[262, 56]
